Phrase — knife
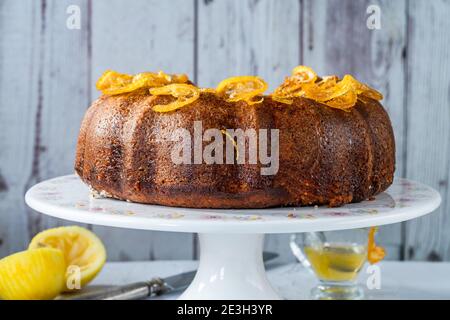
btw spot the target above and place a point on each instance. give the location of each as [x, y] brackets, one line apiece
[144, 289]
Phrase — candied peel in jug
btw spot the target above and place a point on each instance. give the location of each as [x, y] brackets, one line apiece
[375, 253]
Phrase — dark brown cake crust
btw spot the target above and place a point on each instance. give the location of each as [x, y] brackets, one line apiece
[326, 156]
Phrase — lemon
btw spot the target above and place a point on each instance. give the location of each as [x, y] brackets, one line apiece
[84, 252]
[32, 274]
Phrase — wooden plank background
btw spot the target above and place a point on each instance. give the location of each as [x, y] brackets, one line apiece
[47, 76]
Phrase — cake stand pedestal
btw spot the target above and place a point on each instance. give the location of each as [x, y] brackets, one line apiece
[231, 241]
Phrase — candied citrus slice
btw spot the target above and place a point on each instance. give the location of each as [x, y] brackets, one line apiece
[344, 102]
[315, 92]
[288, 89]
[293, 85]
[363, 89]
[304, 74]
[374, 252]
[281, 99]
[243, 88]
[185, 94]
[328, 90]
[112, 82]
[32, 275]
[207, 90]
[328, 82]
[323, 91]
[173, 78]
[81, 248]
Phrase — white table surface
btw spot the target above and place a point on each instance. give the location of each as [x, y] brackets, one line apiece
[399, 280]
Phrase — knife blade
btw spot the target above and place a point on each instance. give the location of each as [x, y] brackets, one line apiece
[139, 290]
[144, 289]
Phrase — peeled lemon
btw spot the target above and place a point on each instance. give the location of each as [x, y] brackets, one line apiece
[84, 252]
[32, 274]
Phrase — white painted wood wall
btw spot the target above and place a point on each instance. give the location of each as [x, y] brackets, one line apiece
[47, 76]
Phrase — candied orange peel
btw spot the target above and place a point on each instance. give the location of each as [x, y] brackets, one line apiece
[330, 90]
[185, 94]
[112, 82]
[374, 253]
[243, 88]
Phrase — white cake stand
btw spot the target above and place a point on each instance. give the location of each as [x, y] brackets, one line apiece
[231, 241]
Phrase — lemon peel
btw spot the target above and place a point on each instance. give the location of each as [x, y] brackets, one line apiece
[235, 145]
[374, 253]
[81, 249]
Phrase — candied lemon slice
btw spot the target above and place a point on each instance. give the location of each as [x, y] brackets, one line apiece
[82, 250]
[172, 78]
[243, 88]
[293, 85]
[32, 275]
[304, 74]
[328, 82]
[185, 94]
[323, 92]
[363, 89]
[281, 99]
[112, 82]
[315, 92]
[207, 90]
[328, 90]
[374, 252]
[289, 89]
[344, 102]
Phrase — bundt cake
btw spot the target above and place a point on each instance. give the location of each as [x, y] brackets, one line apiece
[334, 145]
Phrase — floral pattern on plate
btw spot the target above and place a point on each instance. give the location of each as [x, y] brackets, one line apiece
[70, 193]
